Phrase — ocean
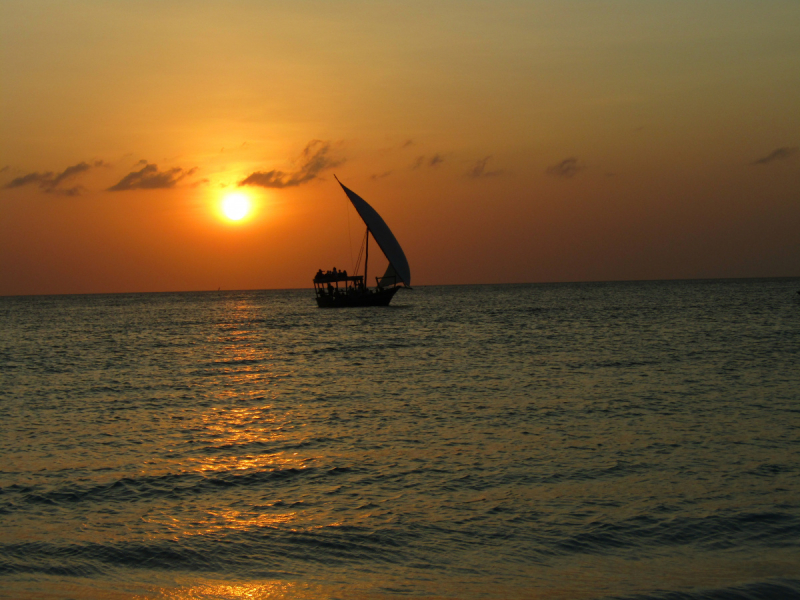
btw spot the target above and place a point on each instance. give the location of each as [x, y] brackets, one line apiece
[627, 440]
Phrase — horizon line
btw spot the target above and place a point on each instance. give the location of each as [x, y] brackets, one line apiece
[592, 281]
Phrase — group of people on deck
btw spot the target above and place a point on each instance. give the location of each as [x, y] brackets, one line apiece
[334, 275]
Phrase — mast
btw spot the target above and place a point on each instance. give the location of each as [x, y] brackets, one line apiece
[366, 261]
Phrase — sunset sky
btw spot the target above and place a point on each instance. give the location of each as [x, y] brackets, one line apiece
[503, 141]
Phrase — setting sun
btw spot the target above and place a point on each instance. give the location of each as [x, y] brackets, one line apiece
[236, 206]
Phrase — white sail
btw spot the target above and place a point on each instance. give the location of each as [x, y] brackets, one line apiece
[383, 235]
[390, 277]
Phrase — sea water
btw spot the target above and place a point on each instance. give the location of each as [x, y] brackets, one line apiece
[589, 440]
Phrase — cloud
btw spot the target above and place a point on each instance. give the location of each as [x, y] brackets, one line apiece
[150, 178]
[380, 175]
[314, 160]
[49, 182]
[70, 172]
[40, 178]
[479, 169]
[567, 168]
[76, 190]
[433, 161]
[776, 155]
[407, 143]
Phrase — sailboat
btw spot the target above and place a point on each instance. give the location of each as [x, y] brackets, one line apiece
[337, 289]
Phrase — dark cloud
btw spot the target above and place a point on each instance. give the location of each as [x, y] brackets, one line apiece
[4, 169]
[70, 172]
[76, 190]
[433, 161]
[407, 143]
[40, 178]
[479, 169]
[567, 168]
[50, 182]
[380, 175]
[776, 155]
[150, 178]
[314, 160]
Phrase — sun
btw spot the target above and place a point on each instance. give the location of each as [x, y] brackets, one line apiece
[236, 206]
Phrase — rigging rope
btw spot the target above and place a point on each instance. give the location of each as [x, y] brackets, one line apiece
[361, 253]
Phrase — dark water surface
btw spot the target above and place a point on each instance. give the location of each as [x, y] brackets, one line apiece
[521, 441]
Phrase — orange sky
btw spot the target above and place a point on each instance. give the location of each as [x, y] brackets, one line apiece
[567, 140]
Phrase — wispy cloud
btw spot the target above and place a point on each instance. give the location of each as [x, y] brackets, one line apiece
[39, 178]
[776, 155]
[567, 168]
[407, 143]
[380, 175]
[69, 172]
[315, 159]
[433, 161]
[150, 178]
[479, 169]
[50, 182]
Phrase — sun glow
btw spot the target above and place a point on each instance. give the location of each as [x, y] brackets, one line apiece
[236, 206]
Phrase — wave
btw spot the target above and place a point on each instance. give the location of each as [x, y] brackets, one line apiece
[130, 489]
[777, 589]
[717, 532]
[250, 554]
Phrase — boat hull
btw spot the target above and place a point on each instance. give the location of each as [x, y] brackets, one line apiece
[380, 297]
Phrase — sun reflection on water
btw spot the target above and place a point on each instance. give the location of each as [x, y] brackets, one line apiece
[216, 464]
[231, 430]
[272, 590]
[234, 520]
